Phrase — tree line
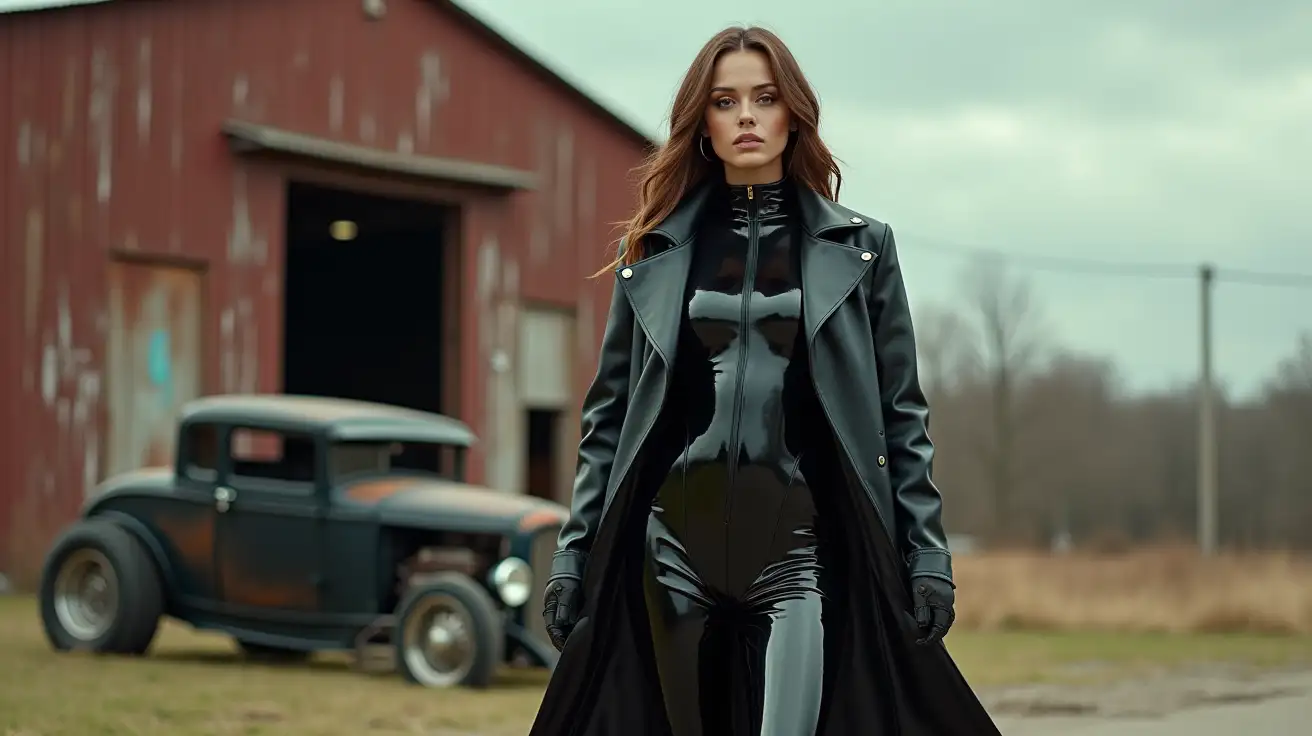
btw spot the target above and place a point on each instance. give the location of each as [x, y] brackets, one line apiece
[1039, 445]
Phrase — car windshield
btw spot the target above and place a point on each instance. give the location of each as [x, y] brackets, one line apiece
[350, 458]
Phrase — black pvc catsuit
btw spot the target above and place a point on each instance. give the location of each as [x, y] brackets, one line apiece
[734, 569]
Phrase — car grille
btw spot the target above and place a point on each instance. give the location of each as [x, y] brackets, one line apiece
[543, 547]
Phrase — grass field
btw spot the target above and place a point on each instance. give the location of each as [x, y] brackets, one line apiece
[196, 684]
[1163, 590]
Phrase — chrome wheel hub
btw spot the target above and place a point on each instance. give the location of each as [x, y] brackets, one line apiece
[438, 643]
[86, 595]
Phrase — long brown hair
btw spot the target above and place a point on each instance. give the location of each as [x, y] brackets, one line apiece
[674, 168]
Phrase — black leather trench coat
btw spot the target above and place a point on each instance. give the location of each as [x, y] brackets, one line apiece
[863, 363]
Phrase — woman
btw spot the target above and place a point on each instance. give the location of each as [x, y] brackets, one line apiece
[755, 545]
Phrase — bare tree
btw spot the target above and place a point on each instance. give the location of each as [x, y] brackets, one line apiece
[1292, 387]
[948, 348]
[1065, 463]
[1288, 414]
[1036, 440]
[1295, 372]
[1010, 348]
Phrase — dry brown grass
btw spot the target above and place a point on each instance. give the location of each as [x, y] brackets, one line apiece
[1165, 590]
[196, 684]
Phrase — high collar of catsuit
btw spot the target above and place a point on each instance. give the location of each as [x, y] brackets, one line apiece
[817, 214]
[762, 200]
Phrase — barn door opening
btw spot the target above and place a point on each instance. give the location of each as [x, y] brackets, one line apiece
[543, 454]
[547, 399]
[365, 310]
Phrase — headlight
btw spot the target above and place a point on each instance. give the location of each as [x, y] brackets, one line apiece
[512, 579]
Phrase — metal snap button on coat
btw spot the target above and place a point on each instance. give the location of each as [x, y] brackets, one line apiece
[867, 255]
[882, 461]
[627, 273]
[857, 221]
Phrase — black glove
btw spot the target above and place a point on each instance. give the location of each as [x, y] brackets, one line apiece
[933, 600]
[561, 604]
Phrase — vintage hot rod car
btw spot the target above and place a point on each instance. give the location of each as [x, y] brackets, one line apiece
[298, 524]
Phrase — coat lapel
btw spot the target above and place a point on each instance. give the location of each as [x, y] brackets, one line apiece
[830, 270]
[655, 284]
[655, 287]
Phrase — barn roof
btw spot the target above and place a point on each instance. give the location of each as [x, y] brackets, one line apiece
[471, 21]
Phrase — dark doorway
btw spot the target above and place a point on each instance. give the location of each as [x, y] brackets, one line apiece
[542, 453]
[364, 297]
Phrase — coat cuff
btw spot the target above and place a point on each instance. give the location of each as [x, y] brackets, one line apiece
[930, 563]
[568, 563]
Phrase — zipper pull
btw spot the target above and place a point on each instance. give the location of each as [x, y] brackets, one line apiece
[749, 191]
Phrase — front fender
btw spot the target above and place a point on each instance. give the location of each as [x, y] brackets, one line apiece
[543, 655]
[133, 526]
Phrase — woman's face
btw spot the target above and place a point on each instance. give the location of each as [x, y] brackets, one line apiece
[746, 121]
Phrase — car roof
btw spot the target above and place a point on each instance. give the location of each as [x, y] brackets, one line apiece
[340, 419]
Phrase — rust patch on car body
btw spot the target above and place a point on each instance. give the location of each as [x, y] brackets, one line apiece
[449, 502]
[375, 490]
[189, 530]
[243, 588]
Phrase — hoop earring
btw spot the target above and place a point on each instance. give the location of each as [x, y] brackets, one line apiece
[701, 140]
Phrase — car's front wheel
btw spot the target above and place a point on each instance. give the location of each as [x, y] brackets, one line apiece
[100, 591]
[448, 633]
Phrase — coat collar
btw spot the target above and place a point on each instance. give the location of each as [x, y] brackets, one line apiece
[830, 269]
[819, 214]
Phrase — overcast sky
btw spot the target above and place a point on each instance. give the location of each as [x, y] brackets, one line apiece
[1131, 131]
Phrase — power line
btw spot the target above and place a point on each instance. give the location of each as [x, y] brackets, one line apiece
[1260, 278]
[1102, 267]
[1207, 275]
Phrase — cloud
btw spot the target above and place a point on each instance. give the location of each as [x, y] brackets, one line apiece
[1135, 131]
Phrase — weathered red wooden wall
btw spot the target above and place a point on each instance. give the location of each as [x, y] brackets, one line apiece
[121, 209]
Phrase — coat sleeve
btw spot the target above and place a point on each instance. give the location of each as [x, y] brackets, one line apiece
[918, 506]
[604, 406]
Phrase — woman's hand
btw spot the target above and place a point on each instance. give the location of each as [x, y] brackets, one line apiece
[933, 601]
[561, 604]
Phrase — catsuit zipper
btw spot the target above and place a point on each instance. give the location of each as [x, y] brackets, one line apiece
[749, 285]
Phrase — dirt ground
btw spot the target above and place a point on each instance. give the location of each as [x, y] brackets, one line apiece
[1214, 702]
[196, 684]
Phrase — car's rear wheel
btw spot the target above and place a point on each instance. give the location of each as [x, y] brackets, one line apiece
[100, 591]
[449, 633]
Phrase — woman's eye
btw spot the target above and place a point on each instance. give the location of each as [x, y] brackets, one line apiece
[723, 102]
[766, 99]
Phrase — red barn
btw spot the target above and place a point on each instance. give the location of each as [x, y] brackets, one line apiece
[380, 199]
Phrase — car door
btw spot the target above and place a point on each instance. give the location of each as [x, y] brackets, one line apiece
[185, 520]
[270, 522]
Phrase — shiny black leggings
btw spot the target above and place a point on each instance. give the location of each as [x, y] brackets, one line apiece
[739, 606]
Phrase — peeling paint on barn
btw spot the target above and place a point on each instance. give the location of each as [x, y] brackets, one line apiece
[432, 91]
[143, 91]
[32, 271]
[239, 336]
[244, 246]
[336, 104]
[147, 259]
[564, 185]
[101, 117]
[498, 298]
[153, 361]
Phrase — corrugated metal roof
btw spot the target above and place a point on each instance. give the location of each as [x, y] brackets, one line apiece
[475, 22]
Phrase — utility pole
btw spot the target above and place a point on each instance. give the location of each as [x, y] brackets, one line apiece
[1207, 480]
